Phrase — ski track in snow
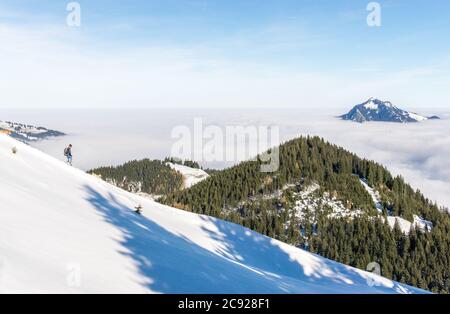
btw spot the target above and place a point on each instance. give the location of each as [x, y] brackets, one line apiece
[64, 231]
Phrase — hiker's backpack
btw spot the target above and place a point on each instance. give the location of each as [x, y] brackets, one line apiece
[66, 151]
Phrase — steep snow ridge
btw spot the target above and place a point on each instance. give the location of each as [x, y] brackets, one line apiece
[191, 176]
[64, 231]
[417, 117]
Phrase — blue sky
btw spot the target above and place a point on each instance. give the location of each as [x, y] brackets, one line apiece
[199, 47]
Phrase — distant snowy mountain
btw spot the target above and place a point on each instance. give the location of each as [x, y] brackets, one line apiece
[65, 231]
[377, 110]
[27, 133]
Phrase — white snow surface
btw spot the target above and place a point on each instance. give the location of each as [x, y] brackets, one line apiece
[64, 231]
[417, 117]
[191, 176]
[23, 129]
[371, 105]
[307, 203]
[405, 225]
[374, 194]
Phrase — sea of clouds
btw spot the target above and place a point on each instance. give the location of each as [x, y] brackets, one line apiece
[420, 152]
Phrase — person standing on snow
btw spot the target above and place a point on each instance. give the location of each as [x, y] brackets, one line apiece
[68, 154]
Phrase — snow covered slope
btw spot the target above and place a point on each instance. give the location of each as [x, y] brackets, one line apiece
[64, 231]
[191, 176]
[373, 194]
[405, 225]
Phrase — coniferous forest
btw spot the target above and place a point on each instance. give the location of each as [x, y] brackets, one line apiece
[265, 202]
[148, 176]
[187, 163]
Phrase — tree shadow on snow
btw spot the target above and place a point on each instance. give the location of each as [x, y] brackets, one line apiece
[246, 262]
[320, 274]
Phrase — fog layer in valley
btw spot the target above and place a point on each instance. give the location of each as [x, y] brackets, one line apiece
[420, 152]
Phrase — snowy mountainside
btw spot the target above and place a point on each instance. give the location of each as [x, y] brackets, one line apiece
[378, 110]
[28, 133]
[65, 231]
[405, 225]
[373, 194]
[191, 176]
[309, 202]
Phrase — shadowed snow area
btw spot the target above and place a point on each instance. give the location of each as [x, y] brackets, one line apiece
[64, 231]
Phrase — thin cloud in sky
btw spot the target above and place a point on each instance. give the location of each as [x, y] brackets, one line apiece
[159, 54]
[58, 68]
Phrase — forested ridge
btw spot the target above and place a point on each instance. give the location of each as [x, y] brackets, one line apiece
[148, 176]
[265, 202]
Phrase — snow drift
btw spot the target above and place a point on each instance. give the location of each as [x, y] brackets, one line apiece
[64, 231]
